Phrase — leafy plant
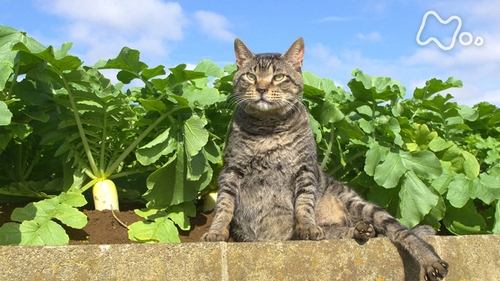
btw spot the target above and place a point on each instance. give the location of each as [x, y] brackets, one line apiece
[159, 132]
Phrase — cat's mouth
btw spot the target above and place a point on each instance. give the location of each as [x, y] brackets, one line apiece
[264, 105]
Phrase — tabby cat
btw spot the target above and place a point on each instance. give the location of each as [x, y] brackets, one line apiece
[271, 187]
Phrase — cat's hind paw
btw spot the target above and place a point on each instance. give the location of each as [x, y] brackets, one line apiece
[436, 270]
[363, 231]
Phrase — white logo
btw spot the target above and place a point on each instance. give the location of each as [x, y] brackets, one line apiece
[465, 38]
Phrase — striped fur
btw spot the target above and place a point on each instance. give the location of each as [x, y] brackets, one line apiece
[271, 187]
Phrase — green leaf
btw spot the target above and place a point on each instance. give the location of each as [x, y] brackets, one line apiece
[367, 88]
[202, 97]
[417, 200]
[73, 199]
[213, 153]
[468, 113]
[179, 74]
[146, 213]
[315, 83]
[160, 230]
[34, 233]
[10, 234]
[164, 144]
[196, 166]
[330, 113]
[5, 114]
[423, 163]
[436, 214]
[57, 58]
[128, 59]
[439, 144]
[434, 86]
[169, 186]
[5, 72]
[180, 214]
[390, 171]
[373, 156]
[195, 134]
[471, 166]
[465, 220]
[209, 68]
[460, 191]
[59, 207]
[316, 128]
[442, 183]
[487, 188]
[149, 73]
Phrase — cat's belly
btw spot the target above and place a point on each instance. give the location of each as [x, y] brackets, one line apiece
[264, 209]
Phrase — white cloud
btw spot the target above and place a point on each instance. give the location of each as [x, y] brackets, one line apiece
[104, 26]
[480, 83]
[214, 25]
[477, 67]
[369, 37]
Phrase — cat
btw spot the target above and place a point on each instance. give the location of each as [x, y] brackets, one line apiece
[271, 186]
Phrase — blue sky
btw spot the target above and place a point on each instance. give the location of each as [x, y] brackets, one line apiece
[377, 36]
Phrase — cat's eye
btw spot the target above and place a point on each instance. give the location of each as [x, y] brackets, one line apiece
[279, 77]
[250, 77]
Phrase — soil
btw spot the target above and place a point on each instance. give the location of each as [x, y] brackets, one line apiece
[103, 228]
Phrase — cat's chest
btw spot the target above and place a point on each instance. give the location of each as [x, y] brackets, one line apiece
[271, 152]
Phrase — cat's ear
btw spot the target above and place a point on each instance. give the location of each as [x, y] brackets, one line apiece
[243, 54]
[295, 54]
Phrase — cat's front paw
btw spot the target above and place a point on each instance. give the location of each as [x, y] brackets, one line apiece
[310, 232]
[363, 231]
[214, 236]
[436, 270]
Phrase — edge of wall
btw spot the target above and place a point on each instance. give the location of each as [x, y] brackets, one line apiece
[470, 258]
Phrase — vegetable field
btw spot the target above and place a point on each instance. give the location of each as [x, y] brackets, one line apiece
[158, 135]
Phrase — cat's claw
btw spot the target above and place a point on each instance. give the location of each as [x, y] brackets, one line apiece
[213, 236]
[310, 232]
[436, 271]
[363, 231]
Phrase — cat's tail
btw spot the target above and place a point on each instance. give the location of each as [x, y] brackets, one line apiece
[360, 210]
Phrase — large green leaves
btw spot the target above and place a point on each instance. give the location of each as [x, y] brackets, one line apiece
[366, 88]
[417, 199]
[160, 225]
[424, 164]
[37, 225]
[434, 86]
[5, 114]
[426, 159]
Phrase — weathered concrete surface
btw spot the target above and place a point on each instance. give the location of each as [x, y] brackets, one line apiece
[470, 258]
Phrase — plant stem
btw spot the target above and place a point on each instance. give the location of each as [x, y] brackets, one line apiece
[329, 146]
[89, 185]
[19, 161]
[103, 142]
[374, 106]
[131, 147]
[27, 172]
[129, 173]
[86, 146]
[89, 174]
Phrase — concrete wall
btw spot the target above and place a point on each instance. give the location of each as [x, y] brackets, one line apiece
[470, 258]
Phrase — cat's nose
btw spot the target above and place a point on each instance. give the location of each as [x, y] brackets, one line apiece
[261, 90]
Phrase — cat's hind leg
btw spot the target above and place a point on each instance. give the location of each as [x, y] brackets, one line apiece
[434, 267]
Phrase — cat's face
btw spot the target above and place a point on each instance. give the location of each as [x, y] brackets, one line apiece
[268, 83]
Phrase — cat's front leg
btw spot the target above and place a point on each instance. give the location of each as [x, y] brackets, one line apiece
[229, 182]
[305, 200]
